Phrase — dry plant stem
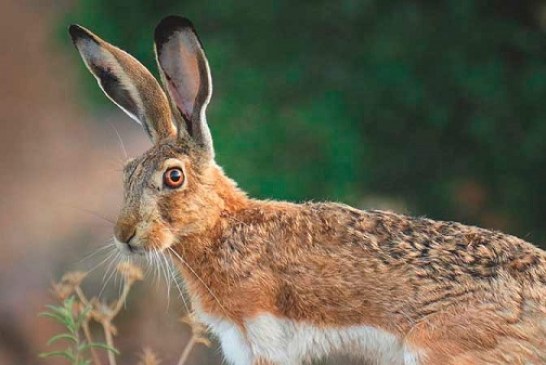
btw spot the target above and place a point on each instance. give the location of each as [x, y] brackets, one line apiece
[96, 310]
[85, 326]
[109, 342]
[81, 296]
[121, 300]
[106, 322]
[187, 350]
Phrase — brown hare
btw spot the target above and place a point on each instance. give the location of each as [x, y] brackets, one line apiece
[283, 283]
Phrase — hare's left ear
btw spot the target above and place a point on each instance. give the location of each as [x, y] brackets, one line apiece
[186, 75]
[126, 82]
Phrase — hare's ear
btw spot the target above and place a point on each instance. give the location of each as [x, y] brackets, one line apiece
[186, 75]
[126, 82]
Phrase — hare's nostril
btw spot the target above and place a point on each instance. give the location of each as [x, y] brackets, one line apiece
[127, 241]
[131, 247]
[130, 238]
[124, 234]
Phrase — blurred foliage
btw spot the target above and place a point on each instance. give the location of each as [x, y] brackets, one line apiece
[77, 352]
[437, 102]
[77, 312]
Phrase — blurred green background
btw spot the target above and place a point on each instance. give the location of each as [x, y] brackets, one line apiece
[431, 108]
[439, 104]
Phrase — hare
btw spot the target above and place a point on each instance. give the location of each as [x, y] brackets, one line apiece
[283, 283]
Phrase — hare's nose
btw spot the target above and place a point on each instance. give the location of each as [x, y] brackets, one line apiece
[124, 232]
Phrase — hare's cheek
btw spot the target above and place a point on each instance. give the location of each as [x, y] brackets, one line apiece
[158, 236]
[177, 212]
[167, 211]
[171, 207]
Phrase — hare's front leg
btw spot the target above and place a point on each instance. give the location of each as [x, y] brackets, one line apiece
[236, 348]
[237, 351]
[263, 362]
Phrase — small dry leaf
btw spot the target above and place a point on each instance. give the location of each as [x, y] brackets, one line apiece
[80, 308]
[74, 278]
[190, 319]
[148, 357]
[108, 326]
[100, 312]
[203, 340]
[61, 291]
[130, 272]
[198, 329]
[68, 284]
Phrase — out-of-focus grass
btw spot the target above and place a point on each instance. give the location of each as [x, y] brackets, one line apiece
[77, 313]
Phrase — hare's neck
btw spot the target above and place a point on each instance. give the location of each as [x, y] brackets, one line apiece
[266, 258]
[209, 262]
[198, 255]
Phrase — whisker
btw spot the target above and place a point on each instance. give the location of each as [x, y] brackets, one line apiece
[112, 257]
[96, 252]
[153, 266]
[157, 272]
[158, 265]
[93, 213]
[114, 166]
[172, 272]
[198, 278]
[147, 259]
[167, 281]
[117, 276]
[109, 256]
[122, 282]
[122, 145]
[112, 271]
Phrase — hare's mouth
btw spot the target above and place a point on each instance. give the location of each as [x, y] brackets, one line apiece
[142, 242]
[131, 247]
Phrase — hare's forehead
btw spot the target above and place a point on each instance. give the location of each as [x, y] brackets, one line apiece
[137, 176]
[137, 167]
[144, 166]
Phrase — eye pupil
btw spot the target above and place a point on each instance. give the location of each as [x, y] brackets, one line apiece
[175, 175]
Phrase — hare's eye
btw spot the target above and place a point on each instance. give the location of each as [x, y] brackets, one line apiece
[173, 177]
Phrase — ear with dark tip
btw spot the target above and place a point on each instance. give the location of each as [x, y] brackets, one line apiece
[126, 82]
[186, 75]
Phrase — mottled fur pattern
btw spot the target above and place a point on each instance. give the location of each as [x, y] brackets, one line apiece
[281, 283]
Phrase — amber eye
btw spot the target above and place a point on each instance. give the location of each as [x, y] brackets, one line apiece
[173, 177]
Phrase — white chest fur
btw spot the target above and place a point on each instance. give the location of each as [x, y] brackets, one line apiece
[285, 342]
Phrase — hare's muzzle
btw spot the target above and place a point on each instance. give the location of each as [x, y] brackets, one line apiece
[124, 233]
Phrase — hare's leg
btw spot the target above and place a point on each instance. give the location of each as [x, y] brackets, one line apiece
[263, 362]
[234, 346]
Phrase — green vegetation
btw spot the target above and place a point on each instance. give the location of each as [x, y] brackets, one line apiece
[78, 349]
[437, 103]
[78, 314]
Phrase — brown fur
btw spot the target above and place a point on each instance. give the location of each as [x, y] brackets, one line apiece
[460, 294]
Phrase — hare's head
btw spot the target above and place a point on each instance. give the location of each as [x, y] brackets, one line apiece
[174, 190]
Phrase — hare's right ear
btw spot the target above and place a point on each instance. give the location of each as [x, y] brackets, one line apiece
[126, 82]
[186, 75]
